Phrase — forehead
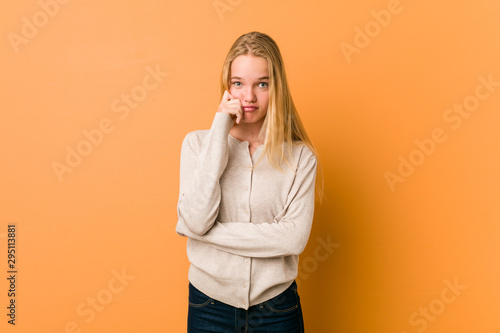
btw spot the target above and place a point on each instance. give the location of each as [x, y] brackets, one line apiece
[249, 67]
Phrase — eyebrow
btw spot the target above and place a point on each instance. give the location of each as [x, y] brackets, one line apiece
[260, 78]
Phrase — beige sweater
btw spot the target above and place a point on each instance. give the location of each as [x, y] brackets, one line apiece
[246, 227]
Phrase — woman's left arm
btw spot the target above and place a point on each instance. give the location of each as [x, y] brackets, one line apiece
[286, 235]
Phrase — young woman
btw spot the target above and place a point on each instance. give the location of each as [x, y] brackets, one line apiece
[246, 201]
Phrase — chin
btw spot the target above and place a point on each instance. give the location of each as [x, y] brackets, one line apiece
[252, 119]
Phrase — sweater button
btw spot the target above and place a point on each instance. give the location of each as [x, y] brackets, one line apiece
[244, 285]
[246, 259]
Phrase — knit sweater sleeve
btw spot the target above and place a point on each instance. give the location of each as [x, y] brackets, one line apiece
[286, 235]
[200, 172]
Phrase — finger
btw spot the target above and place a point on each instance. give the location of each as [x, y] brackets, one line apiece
[229, 96]
[239, 115]
[225, 96]
[235, 109]
[240, 111]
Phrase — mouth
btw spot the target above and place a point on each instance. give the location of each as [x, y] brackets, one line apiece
[249, 108]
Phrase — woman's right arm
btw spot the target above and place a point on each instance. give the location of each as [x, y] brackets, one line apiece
[202, 164]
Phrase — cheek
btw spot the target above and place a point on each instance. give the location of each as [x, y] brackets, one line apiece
[234, 92]
[265, 100]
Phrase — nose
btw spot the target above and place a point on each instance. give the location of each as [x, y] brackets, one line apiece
[249, 95]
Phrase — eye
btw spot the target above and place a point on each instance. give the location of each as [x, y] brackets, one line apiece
[263, 84]
[237, 83]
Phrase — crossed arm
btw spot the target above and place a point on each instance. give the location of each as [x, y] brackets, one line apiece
[200, 196]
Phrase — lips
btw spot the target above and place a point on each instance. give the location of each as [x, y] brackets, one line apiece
[249, 108]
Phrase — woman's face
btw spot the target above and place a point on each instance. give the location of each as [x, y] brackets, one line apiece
[250, 84]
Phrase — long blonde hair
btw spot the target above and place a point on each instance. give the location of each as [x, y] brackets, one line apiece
[282, 123]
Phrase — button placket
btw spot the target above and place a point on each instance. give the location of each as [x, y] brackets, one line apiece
[246, 165]
[245, 284]
[249, 186]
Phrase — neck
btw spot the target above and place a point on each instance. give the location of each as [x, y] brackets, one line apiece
[247, 132]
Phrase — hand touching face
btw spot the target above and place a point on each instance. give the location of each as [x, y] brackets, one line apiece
[231, 106]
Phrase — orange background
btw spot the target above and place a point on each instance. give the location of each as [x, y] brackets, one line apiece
[398, 245]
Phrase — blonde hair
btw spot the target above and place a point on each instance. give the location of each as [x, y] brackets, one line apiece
[282, 123]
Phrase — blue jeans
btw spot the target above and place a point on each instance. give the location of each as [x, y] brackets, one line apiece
[281, 314]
